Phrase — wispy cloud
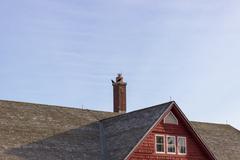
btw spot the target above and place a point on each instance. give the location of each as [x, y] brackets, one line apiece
[66, 52]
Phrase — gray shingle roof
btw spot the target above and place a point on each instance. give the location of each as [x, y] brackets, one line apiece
[222, 140]
[123, 132]
[35, 132]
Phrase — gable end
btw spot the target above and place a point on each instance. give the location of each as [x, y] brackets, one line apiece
[152, 131]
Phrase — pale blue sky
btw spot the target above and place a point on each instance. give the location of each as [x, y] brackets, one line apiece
[66, 52]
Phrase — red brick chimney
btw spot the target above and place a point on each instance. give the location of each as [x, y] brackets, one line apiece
[119, 94]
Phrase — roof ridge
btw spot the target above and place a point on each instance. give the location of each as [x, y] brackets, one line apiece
[215, 123]
[123, 114]
[211, 123]
[51, 105]
[102, 141]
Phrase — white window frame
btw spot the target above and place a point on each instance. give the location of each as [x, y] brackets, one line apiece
[164, 120]
[164, 143]
[174, 144]
[185, 138]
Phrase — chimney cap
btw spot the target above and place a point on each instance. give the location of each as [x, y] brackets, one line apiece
[119, 79]
[119, 74]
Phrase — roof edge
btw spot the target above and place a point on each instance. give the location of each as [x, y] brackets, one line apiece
[220, 124]
[196, 134]
[51, 105]
[122, 114]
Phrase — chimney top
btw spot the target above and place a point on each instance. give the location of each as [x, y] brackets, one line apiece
[119, 78]
[119, 94]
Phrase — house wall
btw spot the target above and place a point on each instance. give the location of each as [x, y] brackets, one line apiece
[146, 149]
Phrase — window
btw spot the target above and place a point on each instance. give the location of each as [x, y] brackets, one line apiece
[171, 144]
[160, 147]
[171, 119]
[182, 146]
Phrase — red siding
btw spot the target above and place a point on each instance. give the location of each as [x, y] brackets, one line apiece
[146, 149]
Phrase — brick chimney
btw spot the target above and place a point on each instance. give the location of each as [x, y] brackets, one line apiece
[119, 94]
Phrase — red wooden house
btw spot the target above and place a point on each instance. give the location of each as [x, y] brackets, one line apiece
[162, 132]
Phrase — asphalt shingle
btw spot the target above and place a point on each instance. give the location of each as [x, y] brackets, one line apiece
[35, 132]
[222, 140]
